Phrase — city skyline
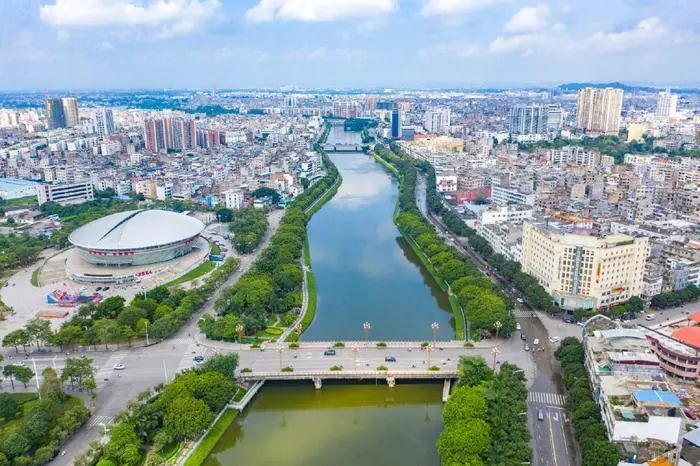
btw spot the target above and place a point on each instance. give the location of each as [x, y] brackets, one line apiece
[353, 43]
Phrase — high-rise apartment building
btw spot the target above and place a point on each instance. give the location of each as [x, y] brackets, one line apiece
[70, 111]
[55, 117]
[584, 271]
[437, 120]
[555, 117]
[395, 123]
[347, 109]
[104, 122]
[528, 119]
[666, 105]
[599, 110]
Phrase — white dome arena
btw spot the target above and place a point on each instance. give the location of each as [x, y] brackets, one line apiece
[136, 237]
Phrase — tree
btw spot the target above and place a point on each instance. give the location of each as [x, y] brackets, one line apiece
[124, 445]
[8, 406]
[51, 387]
[223, 363]
[464, 403]
[187, 418]
[23, 374]
[462, 441]
[106, 331]
[473, 370]
[39, 330]
[16, 444]
[16, 338]
[224, 215]
[68, 336]
[80, 371]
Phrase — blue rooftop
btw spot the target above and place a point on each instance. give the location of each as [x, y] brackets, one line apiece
[9, 184]
[657, 396]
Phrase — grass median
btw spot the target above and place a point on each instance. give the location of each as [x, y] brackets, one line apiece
[202, 269]
[205, 447]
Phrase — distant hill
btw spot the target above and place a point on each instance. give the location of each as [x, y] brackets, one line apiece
[573, 87]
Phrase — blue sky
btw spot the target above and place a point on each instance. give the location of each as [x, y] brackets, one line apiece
[345, 43]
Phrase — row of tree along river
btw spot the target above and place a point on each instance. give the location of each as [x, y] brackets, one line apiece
[364, 272]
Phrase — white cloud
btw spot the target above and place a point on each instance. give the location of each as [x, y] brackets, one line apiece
[318, 10]
[646, 31]
[326, 54]
[452, 49]
[166, 17]
[553, 39]
[451, 7]
[528, 19]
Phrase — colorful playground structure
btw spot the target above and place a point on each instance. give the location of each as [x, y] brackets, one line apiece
[64, 298]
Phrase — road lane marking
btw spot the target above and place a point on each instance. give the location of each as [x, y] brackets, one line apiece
[551, 437]
[97, 420]
[553, 399]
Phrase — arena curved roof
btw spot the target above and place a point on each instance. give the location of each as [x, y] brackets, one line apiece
[136, 229]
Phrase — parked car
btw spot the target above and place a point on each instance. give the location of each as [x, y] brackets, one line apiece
[649, 317]
[523, 336]
[527, 347]
[568, 320]
[389, 359]
[119, 367]
[536, 341]
[540, 415]
[198, 359]
[553, 339]
[329, 352]
[517, 326]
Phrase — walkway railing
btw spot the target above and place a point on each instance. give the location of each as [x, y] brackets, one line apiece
[350, 374]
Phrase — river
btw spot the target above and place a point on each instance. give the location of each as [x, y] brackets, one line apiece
[364, 270]
[341, 425]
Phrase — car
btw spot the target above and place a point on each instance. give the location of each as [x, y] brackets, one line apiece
[119, 367]
[536, 341]
[389, 359]
[520, 300]
[517, 326]
[540, 415]
[98, 288]
[198, 359]
[533, 315]
[649, 317]
[523, 336]
[568, 320]
[19, 363]
[553, 339]
[527, 347]
[105, 288]
[329, 352]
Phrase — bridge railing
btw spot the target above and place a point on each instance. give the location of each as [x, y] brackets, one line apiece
[400, 374]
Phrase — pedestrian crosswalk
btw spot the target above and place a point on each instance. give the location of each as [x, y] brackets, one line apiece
[96, 421]
[553, 399]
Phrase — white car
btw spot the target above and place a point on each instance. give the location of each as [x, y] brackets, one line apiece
[536, 342]
[19, 363]
[649, 317]
[553, 339]
[517, 326]
[119, 367]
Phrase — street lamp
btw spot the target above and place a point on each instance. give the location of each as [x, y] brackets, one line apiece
[239, 331]
[146, 332]
[366, 327]
[497, 325]
[280, 350]
[495, 353]
[298, 328]
[435, 326]
[430, 350]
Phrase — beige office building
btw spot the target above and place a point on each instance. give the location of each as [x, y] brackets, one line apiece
[599, 110]
[584, 271]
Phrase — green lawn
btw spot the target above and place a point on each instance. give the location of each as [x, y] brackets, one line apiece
[29, 201]
[35, 277]
[215, 249]
[202, 269]
[212, 438]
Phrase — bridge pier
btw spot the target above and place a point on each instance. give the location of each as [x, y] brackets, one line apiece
[391, 381]
[317, 382]
[446, 390]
